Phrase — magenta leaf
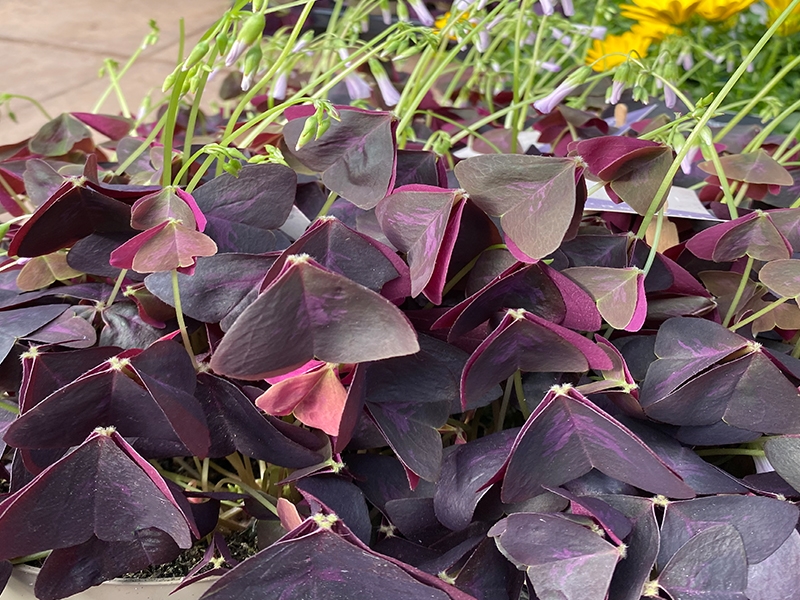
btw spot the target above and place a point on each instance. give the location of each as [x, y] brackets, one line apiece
[576, 436]
[244, 211]
[535, 197]
[754, 235]
[308, 313]
[111, 126]
[750, 167]
[169, 203]
[525, 342]
[83, 496]
[562, 558]
[164, 247]
[415, 220]
[711, 564]
[73, 212]
[619, 294]
[356, 155]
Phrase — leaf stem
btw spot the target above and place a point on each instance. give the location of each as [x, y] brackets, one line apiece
[739, 291]
[501, 414]
[116, 288]
[176, 294]
[759, 313]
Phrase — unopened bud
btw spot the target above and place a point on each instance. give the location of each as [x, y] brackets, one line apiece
[402, 12]
[222, 40]
[308, 134]
[196, 55]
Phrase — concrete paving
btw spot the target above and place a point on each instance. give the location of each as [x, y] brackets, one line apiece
[52, 51]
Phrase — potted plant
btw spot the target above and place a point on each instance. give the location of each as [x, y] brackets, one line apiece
[321, 332]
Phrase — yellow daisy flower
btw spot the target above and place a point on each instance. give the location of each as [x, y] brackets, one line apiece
[653, 30]
[790, 25]
[721, 10]
[614, 50]
[672, 12]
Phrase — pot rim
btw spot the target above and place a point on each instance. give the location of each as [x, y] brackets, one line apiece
[152, 581]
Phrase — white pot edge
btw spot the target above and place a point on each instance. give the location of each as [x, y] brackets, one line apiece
[20, 587]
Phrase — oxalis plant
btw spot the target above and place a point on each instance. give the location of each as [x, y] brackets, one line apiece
[417, 375]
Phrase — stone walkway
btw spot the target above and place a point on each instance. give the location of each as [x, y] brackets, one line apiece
[52, 50]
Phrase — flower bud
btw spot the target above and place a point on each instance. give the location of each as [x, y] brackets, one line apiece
[252, 60]
[389, 93]
[308, 134]
[197, 54]
[423, 14]
[252, 30]
[222, 40]
[402, 12]
[386, 12]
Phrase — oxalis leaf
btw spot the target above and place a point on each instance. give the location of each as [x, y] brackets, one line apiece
[563, 559]
[534, 196]
[619, 294]
[575, 436]
[83, 496]
[356, 155]
[308, 312]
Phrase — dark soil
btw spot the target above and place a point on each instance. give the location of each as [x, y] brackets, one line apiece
[241, 544]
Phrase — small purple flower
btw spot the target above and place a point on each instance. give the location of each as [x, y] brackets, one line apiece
[597, 32]
[483, 41]
[553, 99]
[278, 90]
[548, 66]
[357, 88]
[387, 16]
[670, 98]
[569, 10]
[685, 60]
[389, 93]
[423, 14]
[560, 36]
[547, 7]
[688, 160]
[617, 88]
[236, 51]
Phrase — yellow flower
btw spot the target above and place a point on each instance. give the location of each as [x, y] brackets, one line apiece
[672, 12]
[721, 10]
[441, 22]
[790, 25]
[618, 47]
[653, 30]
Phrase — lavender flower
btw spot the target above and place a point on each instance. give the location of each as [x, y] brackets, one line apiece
[688, 160]
[685, 60]
[617, 87]
[278, 89]
[670, 98]
[389, 93]
[597, 32]
[553, 99]
[357, 88]
[548, 66]
[483, 41]
[423, 14]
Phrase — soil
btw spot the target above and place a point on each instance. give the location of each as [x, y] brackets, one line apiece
[242, 544]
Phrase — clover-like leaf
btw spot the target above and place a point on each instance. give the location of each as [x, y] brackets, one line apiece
[711, 564]
[619, 294]
[535, 197]
[750, 167]
[164, 247]
[59, 136]
[169, 203]
[563, 559]
[576, 436]
[415, 219]
[356, 155]
[782, 277]
[114, 127]
[83, 496]
[308, 312]
[754, 235]
[526, 342]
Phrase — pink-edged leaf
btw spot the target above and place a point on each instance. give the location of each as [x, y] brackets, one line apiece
[616, 525]
[414, 218]
[754, 235]
[306, 313]
[574, 436]
[563, 559]
[782, 277]
[72, 213]
[18, 186]
[535, 197]
[347, 252]
[169, 203]
[619, 294]
[526, 287]
[356, 155]
[611, 157]
[435, 287]
[164, 247]
[316, 398]
[111, 126]
[526, 342]
[751, 167]
[97, 489]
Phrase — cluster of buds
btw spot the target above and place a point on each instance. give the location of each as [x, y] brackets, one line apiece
[316, 125]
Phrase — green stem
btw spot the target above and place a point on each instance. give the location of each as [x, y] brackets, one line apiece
[694, 136]
[176, 294]
[723, 181]
[115, 83]
[36, 103]
[796, 349]
[517, 79]
[169, 127]
[10, 191]
[114, 78]
[758, 140]
[142, 147]
[117, 286]
[189, 135]
[651, 257]
[730, 452]
[327, 206]
[758, 314]
[739, 291]
[747, 109]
